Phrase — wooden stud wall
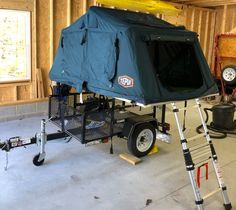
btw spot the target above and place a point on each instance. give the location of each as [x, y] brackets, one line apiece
[225, 23]
[225, 19]
[51, 16]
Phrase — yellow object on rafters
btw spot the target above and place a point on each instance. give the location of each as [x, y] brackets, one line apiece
[150, 6]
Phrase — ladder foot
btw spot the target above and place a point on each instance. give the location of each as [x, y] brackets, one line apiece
[228, 206]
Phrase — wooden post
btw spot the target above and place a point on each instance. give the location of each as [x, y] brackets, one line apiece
[51, 32]
[211, 56]
[68, 12]
[206, 34]
[84, 6]
[232, 21]
[192, 20]
[224, 19]
[199, 25]
[33, 88]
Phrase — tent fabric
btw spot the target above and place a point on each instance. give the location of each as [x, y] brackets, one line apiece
[132, 55]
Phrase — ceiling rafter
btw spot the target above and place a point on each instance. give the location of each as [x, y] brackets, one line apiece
[205, 3]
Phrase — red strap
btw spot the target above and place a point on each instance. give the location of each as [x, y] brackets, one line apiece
[206, 165]
[198, 176]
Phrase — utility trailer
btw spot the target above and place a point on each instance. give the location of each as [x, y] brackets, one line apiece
[126, 55]
[96, 119]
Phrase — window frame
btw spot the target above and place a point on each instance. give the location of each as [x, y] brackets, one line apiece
[28, 38]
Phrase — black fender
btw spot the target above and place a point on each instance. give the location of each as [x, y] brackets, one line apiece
[131, 123]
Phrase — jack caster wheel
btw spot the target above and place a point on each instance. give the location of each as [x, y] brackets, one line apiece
[142, 140]
[36, 161]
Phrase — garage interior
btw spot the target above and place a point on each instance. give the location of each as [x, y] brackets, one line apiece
[76, 176]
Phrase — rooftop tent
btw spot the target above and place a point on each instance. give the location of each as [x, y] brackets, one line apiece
[132, 55]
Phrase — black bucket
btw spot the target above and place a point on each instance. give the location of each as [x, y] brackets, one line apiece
[223, 116]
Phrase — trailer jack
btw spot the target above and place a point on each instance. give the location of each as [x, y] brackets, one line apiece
[40, 139]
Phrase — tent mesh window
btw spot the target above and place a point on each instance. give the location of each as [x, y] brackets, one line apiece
[176, 65]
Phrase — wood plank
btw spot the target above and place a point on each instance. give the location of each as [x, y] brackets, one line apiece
[44, 39]
[41, 85]
[192, 19]
[130, 158]
[8, 94]
[33, 52]
[199, 25]
[20, 5]
[60, 21]
[206, 34]
[23, 92]
[15, 84]
[211, 55]
[51, 26]
[68, 15]
[212, 3]
[233, 19]
[223, 22]
[6, 103]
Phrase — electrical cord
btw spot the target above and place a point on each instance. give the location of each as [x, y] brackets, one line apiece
[221, 132]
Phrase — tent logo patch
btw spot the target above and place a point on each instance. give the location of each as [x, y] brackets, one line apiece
[126, 81]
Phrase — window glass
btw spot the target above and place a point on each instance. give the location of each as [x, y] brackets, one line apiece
[15, 56]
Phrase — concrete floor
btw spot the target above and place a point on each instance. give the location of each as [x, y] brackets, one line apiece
[75, 177]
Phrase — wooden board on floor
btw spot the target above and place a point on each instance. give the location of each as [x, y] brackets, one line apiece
[130, 158]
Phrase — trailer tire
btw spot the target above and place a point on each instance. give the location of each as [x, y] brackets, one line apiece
[228, 74]
[36, 161]
[142, 139]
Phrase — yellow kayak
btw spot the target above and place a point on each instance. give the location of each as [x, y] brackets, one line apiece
[150, 6]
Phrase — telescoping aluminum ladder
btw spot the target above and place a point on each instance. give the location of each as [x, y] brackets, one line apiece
[198, 156]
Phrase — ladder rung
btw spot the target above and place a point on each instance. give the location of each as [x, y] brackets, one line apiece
[211, 193]
[196, 137]
[199, 146]
[203, 149]
[201, 155]
[203, 162]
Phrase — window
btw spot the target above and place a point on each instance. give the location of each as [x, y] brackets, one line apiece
[176, 65]
[15, 49]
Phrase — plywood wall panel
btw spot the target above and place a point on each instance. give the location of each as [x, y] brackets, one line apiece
[227, 23]
[8, 94]
[23, 92]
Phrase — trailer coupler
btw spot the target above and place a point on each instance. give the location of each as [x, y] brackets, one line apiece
[40, 139]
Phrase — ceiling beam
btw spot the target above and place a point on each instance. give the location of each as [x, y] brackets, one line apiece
[211, 2]
[206, 3]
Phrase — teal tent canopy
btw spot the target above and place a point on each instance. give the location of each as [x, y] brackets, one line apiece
[133, 56]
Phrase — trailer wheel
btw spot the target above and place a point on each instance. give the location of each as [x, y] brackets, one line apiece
[142, 140]
[229, 75]
[36, 161]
